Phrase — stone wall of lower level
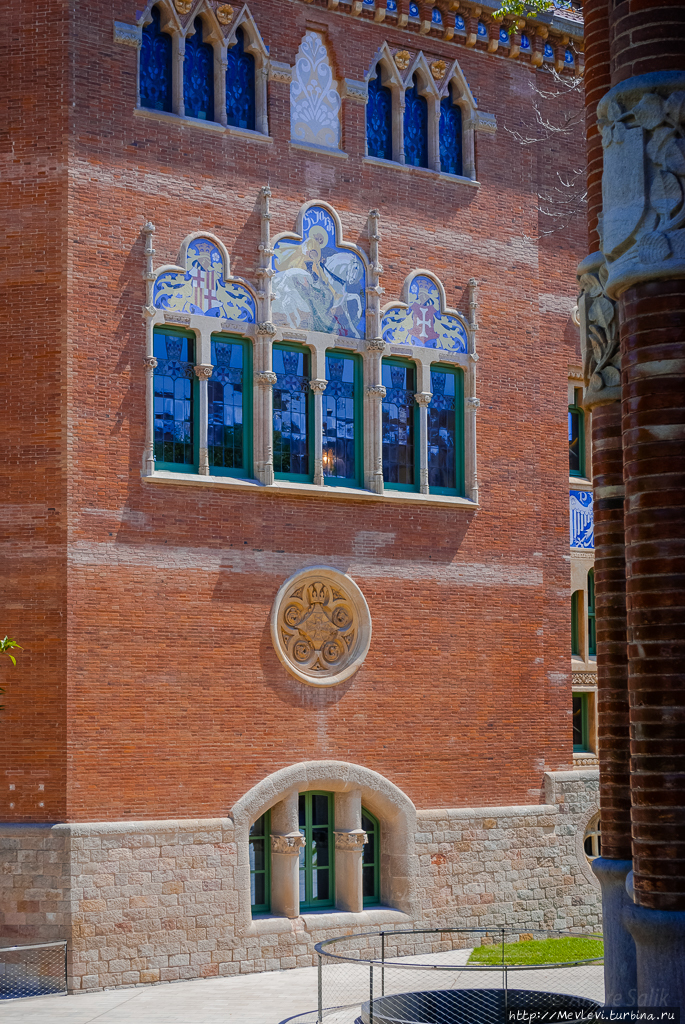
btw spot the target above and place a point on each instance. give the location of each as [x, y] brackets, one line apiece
[156, 901]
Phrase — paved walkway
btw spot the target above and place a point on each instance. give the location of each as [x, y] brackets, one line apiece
[277, 996]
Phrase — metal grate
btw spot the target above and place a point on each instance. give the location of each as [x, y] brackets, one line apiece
[36, 970]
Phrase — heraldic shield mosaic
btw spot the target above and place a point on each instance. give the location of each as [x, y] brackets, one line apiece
[319, 285]
[582, 525]
[202, 289]
[422, 321]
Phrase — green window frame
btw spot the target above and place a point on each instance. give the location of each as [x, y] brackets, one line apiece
[317, 856]
[575, 623]
[581, 736]
[327, 399]
[260, 864]
[576, 435]
[386, 443]
[591, 622]
[279, 451]
[171, 403]
[371, 860]
[228, 376]
[458, 439]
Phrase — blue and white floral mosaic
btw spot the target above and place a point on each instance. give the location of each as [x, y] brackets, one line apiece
[422, 321]
[202, 289]
[582, 527]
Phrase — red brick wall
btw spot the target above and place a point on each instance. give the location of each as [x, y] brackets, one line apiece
[176, 702]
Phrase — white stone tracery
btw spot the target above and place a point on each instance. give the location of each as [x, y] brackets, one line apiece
[314, 97]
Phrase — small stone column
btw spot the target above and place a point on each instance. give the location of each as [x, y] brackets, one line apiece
[374, 393]
[423, 400]
[318, 386]
[203, 371]
[350, 838]
[149, 458]
[286, 843]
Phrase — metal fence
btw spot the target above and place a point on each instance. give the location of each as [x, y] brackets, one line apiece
[36, 970]
[424, 977]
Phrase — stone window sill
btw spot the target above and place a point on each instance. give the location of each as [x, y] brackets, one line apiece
[580, 483]
[166, 477]
[453, 179]
[197, 122]
[324, 919]
[310, 147]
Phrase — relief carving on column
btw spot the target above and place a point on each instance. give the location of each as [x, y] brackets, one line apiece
[599, 335]
[291, 843]
[353, 840]
[642, 121]
[321, 626]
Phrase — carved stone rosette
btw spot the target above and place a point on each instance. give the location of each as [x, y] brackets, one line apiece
[291, 843]
[321, 626]
[353, 840]
[642, 227]
[599, 335]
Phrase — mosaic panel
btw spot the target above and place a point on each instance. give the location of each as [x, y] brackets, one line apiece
[314, 98]
[422, 321]
[202, 289]
[582, 528]
[319, 285]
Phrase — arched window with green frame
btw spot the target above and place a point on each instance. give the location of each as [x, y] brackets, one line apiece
[260, 864]
[317, 883]
[371, 864]
[591, 626]
[575, 622]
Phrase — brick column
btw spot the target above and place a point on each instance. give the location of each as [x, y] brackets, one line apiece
[642, 120]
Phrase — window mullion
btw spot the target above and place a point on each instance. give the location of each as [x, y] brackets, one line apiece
[179, 53]
[423, 399]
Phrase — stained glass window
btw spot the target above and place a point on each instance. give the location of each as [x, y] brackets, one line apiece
[339, 418]
[450, 135]
[240, 85]
[155, 66]
[260, 864]
[576, 435]
[371, 887]
[291, 412]
[399, 416]
[316, 856]
[379, 119]
[173, 385]
[415, 127]
[198, 75]
[444, 432]
[227, 446]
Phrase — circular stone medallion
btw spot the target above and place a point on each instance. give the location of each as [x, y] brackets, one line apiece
[320, 626]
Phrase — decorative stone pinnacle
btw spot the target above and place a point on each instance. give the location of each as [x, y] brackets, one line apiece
[203, 371]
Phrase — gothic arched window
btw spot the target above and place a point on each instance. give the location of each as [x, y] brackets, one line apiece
[155, 65]
[379, 118]
[240, 85]
[198, 75]
[415, 127]
[450, 135]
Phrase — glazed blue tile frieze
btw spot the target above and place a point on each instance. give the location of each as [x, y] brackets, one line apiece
[202, 289]
[582, 529]
[422, 322]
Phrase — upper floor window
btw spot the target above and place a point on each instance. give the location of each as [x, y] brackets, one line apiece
[198, 75]
[260, 864]
[229, 409]
[291, 412]
[174, 401]
[371, 871]
[399, 425]
[240, 85]
[591, 626]
[445, 447]
[341, 419]
[576, 435]
[415, 126]
[379, 118]
[155, 65]
[450, 134]
[316, 856]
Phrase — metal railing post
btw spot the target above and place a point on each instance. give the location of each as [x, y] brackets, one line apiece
[320, 985]
[66, 967]
[382, 963]
[371, 993]
[504, 978]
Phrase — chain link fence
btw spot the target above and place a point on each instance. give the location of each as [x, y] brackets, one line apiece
[455, 976]
[36, 970]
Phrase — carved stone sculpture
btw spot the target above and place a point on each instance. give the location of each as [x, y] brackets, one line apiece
[599, 338]
[353, 840]
[291, 843]
[320, 626]
[643, 186]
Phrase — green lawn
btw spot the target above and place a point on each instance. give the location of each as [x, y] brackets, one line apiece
[544, 951]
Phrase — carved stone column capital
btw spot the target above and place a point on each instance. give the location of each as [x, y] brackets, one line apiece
[375, 345]
[291, 843]
[318, 386]
[642, 227]
[265, 379]
[150, 363]
[353, 840]
[474, 403]
[599, 336]
[376, 391]
[423, 398]
[203, 371]
[267, 327]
